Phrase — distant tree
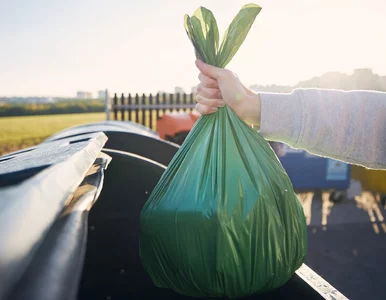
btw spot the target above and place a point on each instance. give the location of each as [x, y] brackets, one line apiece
[63, 107]
[363, 79]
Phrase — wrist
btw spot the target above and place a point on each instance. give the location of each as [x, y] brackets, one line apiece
[252, 109]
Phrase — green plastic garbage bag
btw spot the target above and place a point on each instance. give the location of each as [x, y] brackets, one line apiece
[223, 221]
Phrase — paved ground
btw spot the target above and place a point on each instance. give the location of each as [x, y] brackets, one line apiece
[347, 244]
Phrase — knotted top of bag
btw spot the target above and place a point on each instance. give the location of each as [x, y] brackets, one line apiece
[202, 30]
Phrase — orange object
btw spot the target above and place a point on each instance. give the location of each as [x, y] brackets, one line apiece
[371, 180]
[176, 126]
[172, 124]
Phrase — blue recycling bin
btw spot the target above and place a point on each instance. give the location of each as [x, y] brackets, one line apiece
[310, 172]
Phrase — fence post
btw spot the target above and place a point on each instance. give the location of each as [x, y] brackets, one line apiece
[164, 103]
[171, 103]
[157, 102]
[178, 102]
[192, 100]
[184, 102]
[115, 107]
[122, 108]
[107, 105]
[137, 108]
[129, 102]
[141, 106]
[150, 112]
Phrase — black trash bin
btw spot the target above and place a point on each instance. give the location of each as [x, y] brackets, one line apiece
[126, 136]
[112, 264]
[112, 268]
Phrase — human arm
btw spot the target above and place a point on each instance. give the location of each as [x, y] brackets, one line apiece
[349, 126]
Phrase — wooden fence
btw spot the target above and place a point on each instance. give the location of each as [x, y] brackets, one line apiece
[146, 110]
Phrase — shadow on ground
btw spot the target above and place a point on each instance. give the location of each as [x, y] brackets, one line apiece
[347, 244]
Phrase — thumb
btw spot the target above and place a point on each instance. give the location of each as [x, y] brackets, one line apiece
[208, 70]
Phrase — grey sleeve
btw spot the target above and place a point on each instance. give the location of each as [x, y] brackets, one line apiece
[348, 126]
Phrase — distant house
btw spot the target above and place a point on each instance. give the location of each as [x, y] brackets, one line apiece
[83, 95]
[101, 95]
[179, 90]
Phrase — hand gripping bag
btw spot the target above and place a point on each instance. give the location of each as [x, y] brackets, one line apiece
[223, 221]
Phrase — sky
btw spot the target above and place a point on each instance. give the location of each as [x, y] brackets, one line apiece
[55, 48]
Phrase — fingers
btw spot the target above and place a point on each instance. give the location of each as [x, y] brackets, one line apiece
[207, 81]
[211, 93]
[209, 96]
[204, 109]
[207, 106]
[208, 70]
[209, 102]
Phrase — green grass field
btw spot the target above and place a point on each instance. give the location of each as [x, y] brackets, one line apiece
[21, 132]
